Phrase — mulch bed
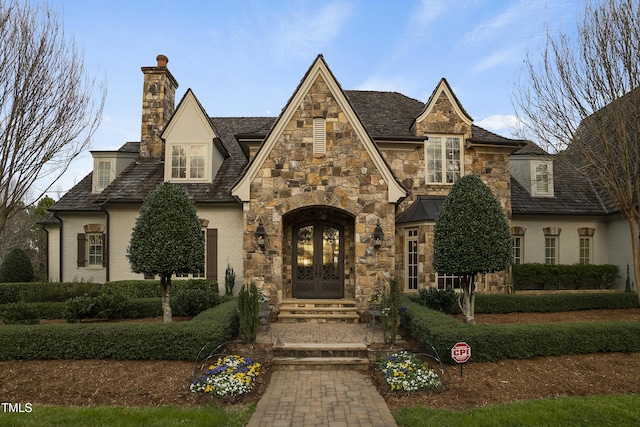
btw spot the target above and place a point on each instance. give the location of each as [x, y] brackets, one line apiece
[155, 383]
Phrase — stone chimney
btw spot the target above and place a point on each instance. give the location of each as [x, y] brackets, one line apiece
[158, 104]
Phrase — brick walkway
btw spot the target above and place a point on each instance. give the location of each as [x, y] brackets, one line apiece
[321, 398]
[318, 397]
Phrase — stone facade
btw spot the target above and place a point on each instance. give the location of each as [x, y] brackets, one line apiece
[343, 184]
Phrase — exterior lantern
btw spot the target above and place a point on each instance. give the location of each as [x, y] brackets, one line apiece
[377, 236]
[261, 235]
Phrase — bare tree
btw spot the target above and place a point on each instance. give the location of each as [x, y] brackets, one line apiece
[581, 99]
[47, 109]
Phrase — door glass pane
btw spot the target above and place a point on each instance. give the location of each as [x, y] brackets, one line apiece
[330, 253]
[304, 261]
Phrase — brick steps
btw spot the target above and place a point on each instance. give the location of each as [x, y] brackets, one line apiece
[319, 311]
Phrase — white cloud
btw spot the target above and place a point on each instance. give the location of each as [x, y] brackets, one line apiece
[500, 123]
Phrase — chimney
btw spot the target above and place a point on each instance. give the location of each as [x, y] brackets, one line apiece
[158, 104]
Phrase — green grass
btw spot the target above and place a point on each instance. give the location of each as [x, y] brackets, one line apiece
[605, 410]
[114, 416]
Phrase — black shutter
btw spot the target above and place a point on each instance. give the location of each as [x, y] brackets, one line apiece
[212, 254]
[105, 250]
[81, 250]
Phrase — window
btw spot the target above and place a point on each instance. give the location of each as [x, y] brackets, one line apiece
[585, 250]
[188, 161]
[95, 248]
[319, 136]
[542, 179]
[443, 154]
[412, 259]
[586, 244]
[516, 244]
[551, 243]
[104, 174]
[448, 282]
[551, 250]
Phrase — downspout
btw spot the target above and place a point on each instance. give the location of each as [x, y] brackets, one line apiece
[60, 251]
[108, 234]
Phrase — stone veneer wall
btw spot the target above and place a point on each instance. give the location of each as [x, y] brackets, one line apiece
[344, 178]
[491, 164]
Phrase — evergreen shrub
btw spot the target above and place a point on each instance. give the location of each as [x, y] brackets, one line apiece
[20, 313]
[536, 276]
[16, 267]
[518, 340]
[127, 341]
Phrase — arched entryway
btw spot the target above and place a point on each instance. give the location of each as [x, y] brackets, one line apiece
[318, 253]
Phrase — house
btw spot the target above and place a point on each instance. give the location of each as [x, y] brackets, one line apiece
[330, 199]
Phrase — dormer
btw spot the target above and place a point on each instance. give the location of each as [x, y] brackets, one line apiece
[446, 126]
[532, 167]
[107, 165]
[193, 150]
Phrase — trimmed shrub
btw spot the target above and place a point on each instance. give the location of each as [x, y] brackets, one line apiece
[53, 292]
[536, 276]
[518, 341]
[20, 313]
[16, 267]
[444, 300]
[134, 288]
[129, 341]
[81, 307]
[9, 292]
[190, 302]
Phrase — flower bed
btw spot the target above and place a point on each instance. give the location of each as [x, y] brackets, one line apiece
[231, 375]
[405, 371]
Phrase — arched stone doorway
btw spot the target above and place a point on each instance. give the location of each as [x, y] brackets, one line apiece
[318, 253]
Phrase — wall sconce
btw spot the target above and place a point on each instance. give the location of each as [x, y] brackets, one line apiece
[377, 236]
[261, 235]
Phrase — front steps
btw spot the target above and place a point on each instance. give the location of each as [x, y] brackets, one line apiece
[320, 356]
[318, 311]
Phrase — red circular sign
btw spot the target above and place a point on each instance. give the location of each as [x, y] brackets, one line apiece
[461, 352]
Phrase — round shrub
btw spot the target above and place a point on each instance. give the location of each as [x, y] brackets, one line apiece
[81, 307]
[443, 300]
[16, 267]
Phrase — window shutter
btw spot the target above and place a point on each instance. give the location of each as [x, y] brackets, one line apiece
[319, 136]
[212, 254]
[105, 250]
[81, 250]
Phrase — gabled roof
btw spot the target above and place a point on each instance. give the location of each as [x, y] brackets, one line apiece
[443, 86]
[319, 68]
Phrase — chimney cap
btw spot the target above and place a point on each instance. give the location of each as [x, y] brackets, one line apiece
[162, 60]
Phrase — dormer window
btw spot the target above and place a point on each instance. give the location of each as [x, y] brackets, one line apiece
[103, 170]
[542, 178]
[443, 154]
[188, 162]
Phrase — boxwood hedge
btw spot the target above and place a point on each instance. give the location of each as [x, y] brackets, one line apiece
[174, 341]
[517, 341]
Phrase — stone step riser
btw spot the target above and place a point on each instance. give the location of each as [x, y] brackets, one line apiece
[320, 353]
[317, 320]
[319, 363]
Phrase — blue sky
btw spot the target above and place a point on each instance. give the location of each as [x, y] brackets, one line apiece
[246, 57]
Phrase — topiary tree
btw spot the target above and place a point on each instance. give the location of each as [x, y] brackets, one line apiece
[166, 239]
[16, 267]
[471, 236]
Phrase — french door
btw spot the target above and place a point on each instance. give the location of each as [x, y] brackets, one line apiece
[318, 260]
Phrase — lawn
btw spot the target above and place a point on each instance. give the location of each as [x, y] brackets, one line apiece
[109, 416]
[605, 410]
